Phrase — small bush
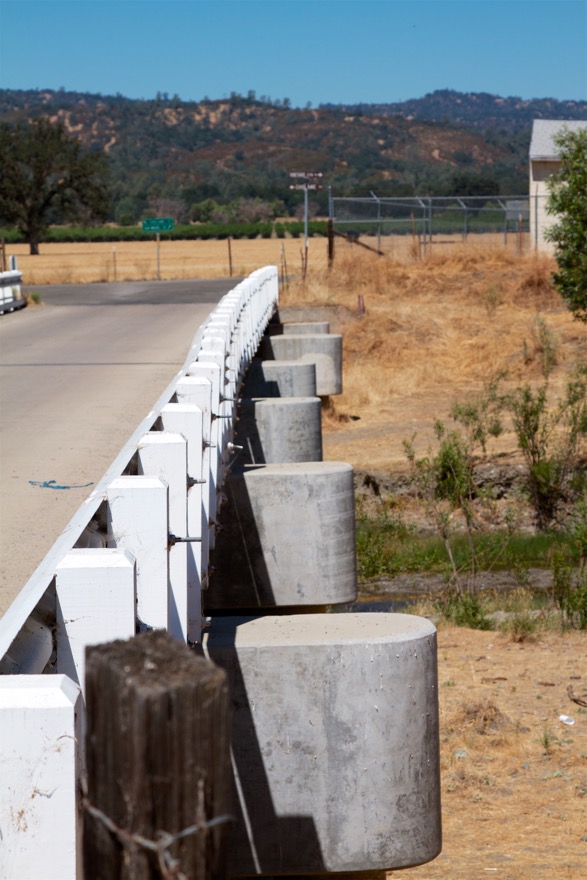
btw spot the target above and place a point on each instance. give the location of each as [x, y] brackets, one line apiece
[522, 627]
[550, 441]
[462, 609]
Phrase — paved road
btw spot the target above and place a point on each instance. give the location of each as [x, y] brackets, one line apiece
[137, 292]
[74, 384]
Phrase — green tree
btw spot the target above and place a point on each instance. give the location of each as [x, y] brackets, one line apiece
[567, 201]
[47, 178]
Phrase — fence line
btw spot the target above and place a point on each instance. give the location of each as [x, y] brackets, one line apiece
[424, 217]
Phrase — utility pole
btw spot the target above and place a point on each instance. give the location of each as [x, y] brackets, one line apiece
[306, 183]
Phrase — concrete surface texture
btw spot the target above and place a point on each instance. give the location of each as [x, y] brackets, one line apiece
[280, 379]
[298, 328]
[324, 350]
[335, 738]
[279, 430]
[38, 807]
[301, 328]
[287, 537]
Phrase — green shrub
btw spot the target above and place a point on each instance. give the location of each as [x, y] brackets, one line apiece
[462, 609]
[550, 441]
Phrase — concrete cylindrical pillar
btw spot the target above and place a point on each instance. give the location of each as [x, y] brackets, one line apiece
[298, 328]
[324, 350]
[287, 538]
[335, 740]
[280, 430]
[280, 379]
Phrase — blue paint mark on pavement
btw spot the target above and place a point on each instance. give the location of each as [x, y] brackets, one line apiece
[52, 484]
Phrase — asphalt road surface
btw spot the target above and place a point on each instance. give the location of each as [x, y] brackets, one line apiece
[135, 293]
[77, 376]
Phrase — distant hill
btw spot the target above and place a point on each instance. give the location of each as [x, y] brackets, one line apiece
[477, 110]
[168, 155]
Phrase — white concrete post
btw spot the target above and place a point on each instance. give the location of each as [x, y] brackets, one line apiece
[164, 455]
[222, 328]
[231, 311]
[187, 419]
[207, 370]
[96, 602]
[222, 420]
[197, 391]
[38, 810]
[138, 522]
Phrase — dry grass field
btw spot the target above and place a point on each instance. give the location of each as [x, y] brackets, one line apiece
[83, 263]
[434, 332]
[514, 775]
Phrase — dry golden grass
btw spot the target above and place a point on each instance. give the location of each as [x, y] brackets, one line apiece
[435, 330]
[514, 776]
[83, 263]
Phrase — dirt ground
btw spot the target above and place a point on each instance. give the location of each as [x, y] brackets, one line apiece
[514, 775]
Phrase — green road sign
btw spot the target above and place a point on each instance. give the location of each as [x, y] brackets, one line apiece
[157, 224]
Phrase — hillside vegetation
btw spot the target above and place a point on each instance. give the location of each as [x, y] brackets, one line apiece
[168, 155]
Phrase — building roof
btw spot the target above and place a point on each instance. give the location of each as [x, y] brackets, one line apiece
[542, 145]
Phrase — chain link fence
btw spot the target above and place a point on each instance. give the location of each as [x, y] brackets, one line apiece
[429, 220]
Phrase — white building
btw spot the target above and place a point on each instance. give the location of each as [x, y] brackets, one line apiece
[544, 160]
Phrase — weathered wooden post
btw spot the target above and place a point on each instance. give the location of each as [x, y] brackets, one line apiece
[330, 243]
[158, 758]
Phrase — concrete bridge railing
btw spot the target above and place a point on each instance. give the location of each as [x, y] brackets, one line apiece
[335, 746]
[135, 555]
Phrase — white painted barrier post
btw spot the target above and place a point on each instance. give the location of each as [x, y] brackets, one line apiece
[197, 391]
[213, 373]
[11, 297]
[96, 603]
[187, 419]
[164, 455]
[38, 809]
[138, 522]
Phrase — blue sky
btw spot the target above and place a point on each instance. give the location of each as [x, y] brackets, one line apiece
[342, 51]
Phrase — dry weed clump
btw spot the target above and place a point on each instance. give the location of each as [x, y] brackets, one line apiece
[536, 288]
[481, 716]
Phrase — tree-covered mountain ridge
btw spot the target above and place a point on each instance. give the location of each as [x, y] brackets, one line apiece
[166, 152]
[479, 110]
